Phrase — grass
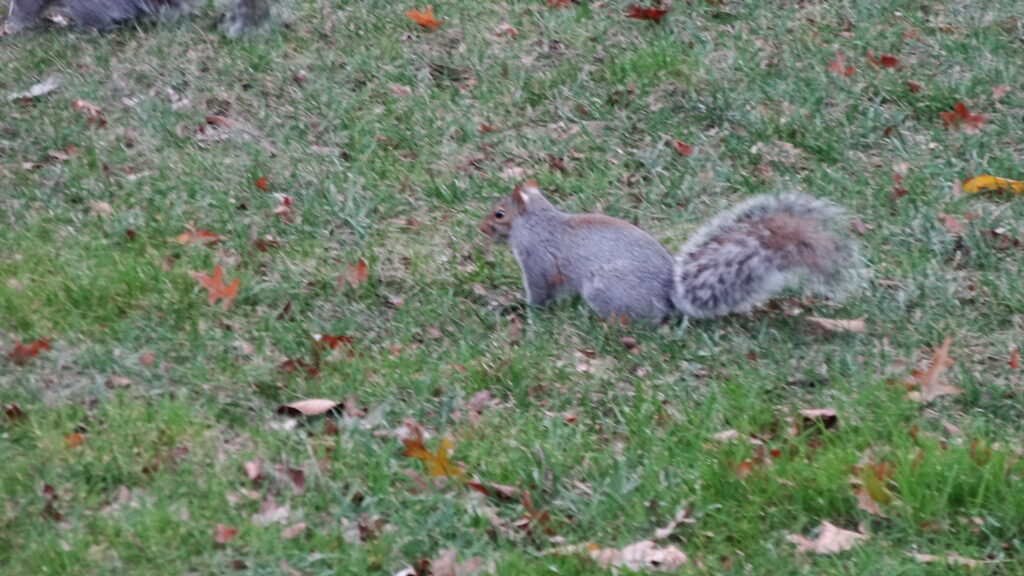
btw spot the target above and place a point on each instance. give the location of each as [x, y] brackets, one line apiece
[366, 122]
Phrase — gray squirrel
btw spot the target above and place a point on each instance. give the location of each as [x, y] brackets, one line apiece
[737, 260]
[244, 15]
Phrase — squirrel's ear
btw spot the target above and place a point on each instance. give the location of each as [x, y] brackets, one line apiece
[523, 194]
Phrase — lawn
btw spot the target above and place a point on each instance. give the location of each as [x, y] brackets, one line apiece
[150, 440]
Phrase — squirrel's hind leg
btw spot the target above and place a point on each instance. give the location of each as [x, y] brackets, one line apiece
[648, 301]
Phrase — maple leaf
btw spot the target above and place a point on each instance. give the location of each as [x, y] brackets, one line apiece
[883, 60]
[437, 464]
[23, 351]
[839, 66]
[424, 19]
[223, 533]
[930, 381]
[644, 13]
[989, 183]
[961, 117]
[196, 236]
[354, 275]
[831, 540]
[682, 149]
[215, 287]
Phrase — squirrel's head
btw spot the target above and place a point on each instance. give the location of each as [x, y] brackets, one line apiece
[498, 223]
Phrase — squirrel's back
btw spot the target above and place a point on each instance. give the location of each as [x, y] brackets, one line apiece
[747, 253]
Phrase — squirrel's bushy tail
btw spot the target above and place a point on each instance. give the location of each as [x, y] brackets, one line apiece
[747, 253]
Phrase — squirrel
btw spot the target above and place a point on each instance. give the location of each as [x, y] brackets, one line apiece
[734, 262]
[244, 16]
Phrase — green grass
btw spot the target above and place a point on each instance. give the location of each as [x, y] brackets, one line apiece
[609, 454]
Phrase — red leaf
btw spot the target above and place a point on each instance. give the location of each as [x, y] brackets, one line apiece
[961, 117]
[22, 352]
[355, 274]
[1014, 359]
[13, 411]
[683, 150]
[261, 183]
[223, 533]
[883, 60]
[298, 364]
[424, 19]
[839, 66]
[74, 440]
[215, 287]
[644, 13]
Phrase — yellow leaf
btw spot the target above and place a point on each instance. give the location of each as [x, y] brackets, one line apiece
[437, 464]
[989, 183]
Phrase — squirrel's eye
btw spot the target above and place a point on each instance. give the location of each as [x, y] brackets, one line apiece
[499, 214]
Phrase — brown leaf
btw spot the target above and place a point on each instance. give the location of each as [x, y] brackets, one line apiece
[196, 236]
[253, 470]
[642, 556]
[215, 287]
[310, 407]
[222, 533]
[23, 351]
[819, 417]
[296, 476]
[950, 560]
[831, 540]
[117, 381]
[93, 114]
[354, 274]
[930, 381]
[446, 565]
[437, 463]
[855, 325]
[13, 412]
[293, 531]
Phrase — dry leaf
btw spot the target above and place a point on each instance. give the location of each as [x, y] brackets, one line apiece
[682, 517]
[725, 435]
[989, 183]
[74, 440]
[642, 556]
[835, 325]
[645, 13]
[424, 19]
[261, 183]
[446, 565]
[253, 470]
[930, 381]
[223, 533]
[23, 351]
[354, 275]
[839, 66]
[950, 560]
[962, 118]
[819, 417]
[310, 407]
[293, 531]
[951, 223]
[437, 464]
[196, 236]
[215, 287]
[831, 540]
[92, 112]
[883, 60]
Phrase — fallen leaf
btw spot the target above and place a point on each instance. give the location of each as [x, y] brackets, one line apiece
[883, 60]
[682, 517]
[951, 223]
[74, 440]
[117, 381]
[855, 325]
[253, 470]
[831, 540]
[988, 183]
[354, 274]
[930, 381]
[99, 208]
[1000, 91]
[93, 114]
[838, 65]
[913, 87]
[645, 13]
[818, 418]
[446, 565]
[424, 19]
[498, 491]
[45, 87]
[310, 407]
[725, 435]
[683, 150]
[196, 236]
[23, 351]
[215, 287]
[963, 119]
[293, 531]
[437, 463]
[261, 183]
[642, 556]
[950, 560]
[294, 475]
[13, 412]
[222, 533]
[1014, 359]
[270, 513]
